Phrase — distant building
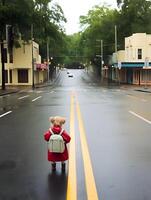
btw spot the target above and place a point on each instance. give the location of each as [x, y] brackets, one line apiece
[133, 65]
[19, 68]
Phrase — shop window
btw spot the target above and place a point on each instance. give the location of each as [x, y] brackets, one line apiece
[139, 53]
[22, 75]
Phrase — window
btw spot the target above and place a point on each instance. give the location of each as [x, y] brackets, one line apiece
[139, 53]
[22, 75]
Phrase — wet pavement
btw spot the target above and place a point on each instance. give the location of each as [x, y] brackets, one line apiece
[111, 126]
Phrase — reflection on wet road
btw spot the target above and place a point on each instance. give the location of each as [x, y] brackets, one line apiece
[109, 151]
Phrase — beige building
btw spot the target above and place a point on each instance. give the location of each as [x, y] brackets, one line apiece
[19, 69]
[133, 65]
[138, 47]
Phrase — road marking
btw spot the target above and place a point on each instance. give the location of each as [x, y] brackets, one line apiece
[134, 97]
[38, 92]
[50, 92]
[23, 97]
[144, 100]
[72, 182]
[131, 96]
[135, 114]
[7, 95]
[36, 98]
[5, 114]
[89, 177]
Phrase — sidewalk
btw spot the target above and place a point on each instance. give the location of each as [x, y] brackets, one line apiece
[15, 89]
[105, 82]
[8, 91]
[138, 88]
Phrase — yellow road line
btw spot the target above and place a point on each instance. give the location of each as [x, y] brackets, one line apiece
[89, 177]
[72, 182]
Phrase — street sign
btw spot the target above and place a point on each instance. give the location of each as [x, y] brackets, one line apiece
[146, 64]
[119, 65]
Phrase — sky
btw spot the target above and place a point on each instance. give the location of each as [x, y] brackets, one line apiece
[74, 8]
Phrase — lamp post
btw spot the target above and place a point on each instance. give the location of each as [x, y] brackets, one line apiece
[3, 65]
[101, 55]
[32, 57]
[48, 57]
[118, 68]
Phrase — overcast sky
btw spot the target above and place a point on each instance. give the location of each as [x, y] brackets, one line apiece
[74, 8]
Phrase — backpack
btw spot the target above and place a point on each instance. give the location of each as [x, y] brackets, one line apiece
[56, 143]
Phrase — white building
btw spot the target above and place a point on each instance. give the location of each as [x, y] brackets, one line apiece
[134, 63]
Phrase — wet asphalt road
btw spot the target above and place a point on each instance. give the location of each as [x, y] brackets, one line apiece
[117, 124]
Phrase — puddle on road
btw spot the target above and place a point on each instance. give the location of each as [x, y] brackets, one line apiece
[7, 164]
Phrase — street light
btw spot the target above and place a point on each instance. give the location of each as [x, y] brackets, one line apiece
[32, 39]
[48, 57]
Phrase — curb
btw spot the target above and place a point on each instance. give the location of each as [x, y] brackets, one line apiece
[8, 92]
[139, 90]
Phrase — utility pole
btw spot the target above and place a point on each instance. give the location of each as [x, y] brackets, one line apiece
[3, 65]
[2, 56]
[101, 55]
[48, 57]
[32, 39]
[118, 70]
[115, 39]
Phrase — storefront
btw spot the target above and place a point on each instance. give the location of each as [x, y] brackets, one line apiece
[134, 73]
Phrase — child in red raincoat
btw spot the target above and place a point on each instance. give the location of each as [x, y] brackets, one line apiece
[57, 123]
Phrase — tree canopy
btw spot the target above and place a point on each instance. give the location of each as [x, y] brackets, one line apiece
[44, 16]
[99, 24]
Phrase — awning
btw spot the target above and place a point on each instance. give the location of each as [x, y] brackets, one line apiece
[41, 66]
[131, 64]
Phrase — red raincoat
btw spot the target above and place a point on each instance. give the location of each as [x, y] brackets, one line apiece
[54, 157]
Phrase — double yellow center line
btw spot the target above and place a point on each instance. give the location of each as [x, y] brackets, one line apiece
[72, 183]
[88, 171]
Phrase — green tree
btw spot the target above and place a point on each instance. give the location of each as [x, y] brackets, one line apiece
[46, 18]
[72, 49]
[134, 17]
[98, 25]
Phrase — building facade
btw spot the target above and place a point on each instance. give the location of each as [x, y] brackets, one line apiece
[133, 65]
[24, 66]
